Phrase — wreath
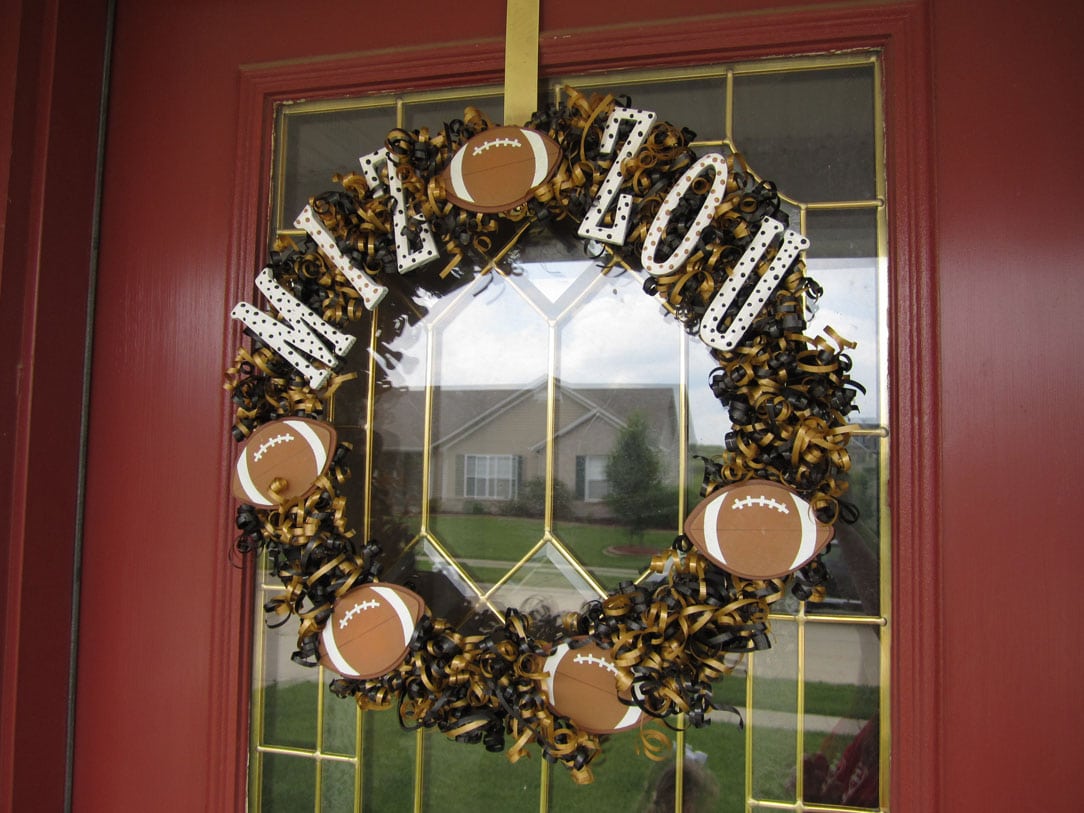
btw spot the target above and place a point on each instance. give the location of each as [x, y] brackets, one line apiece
[630, 190]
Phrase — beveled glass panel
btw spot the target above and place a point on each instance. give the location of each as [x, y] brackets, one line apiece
[618, 427]
[430, 572]
[546, 581]
[489, 413]
[811, 132]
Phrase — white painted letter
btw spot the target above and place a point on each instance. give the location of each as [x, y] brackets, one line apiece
[406, 260]
[592, 224]
[295, 330]
[703, 217]
[793, 242]
[371, 291]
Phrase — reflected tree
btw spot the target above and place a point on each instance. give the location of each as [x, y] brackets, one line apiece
[634, 472]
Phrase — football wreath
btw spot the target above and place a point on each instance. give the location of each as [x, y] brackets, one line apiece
[282, 460]
[499, 168]
[581, 684]
[597, 170]
[370, 630]
[757, 529]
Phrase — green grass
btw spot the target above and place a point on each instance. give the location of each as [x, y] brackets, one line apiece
[483, 536]
[466, 777]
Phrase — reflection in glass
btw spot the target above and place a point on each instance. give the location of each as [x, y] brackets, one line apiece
[288, 784]
[715, 756]
[773, 717]
[387, 770]
[850, 305]
[317, 146]
[811, 132]
[289, 693]
[340, 722]
[842, 715]
[337, 785]
[427, 570]
[546, 584]
[617, 434]
[447, 764]
[489, 422]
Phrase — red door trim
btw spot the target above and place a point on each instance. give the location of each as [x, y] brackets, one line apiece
[900, 31]
[50, 100]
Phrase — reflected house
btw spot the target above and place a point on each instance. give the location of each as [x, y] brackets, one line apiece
[488, 445]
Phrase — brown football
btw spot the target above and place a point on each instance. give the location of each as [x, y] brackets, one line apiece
[292, 451]
[581, 684]
[369, 631]
[498, 169]
[757, 529]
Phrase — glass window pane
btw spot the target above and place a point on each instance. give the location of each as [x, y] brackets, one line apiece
[387, 764]
[842, 715]
[811, 132]
[318, 145]
[488, 439]
[289, 693]
[698, 104]
[288, 783]
[337, 787]
[454, 781]
[773, 716]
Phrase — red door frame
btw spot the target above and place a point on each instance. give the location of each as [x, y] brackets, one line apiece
[167, 731]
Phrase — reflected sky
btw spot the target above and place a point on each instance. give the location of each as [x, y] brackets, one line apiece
[495, 333]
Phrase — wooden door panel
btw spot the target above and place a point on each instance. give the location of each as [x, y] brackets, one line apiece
[163, 643]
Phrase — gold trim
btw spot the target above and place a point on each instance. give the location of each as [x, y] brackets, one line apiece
[816, 618]
[884, 449]
[799, 709]
[419, 769]
[307, 753]
[544, 788]
[750, 706]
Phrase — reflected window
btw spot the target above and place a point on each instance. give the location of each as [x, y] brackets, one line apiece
[490, 476]
[592, 484]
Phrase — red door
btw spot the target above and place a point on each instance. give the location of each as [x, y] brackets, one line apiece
[981, 662]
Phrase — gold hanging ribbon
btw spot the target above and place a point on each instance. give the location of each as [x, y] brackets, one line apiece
[520, 60]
